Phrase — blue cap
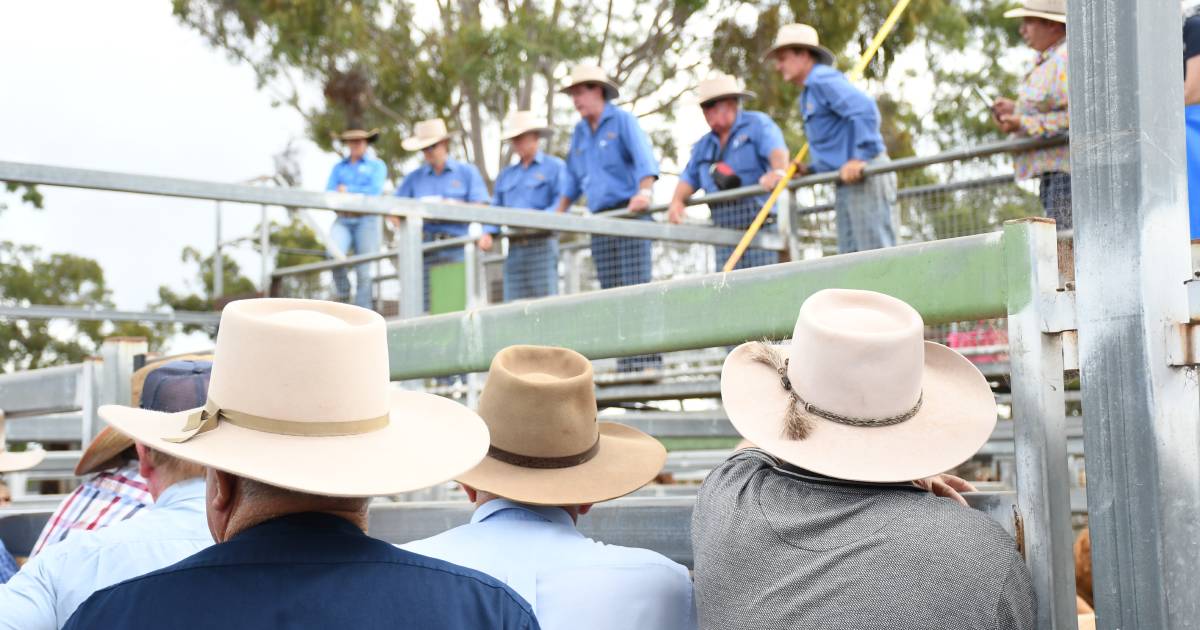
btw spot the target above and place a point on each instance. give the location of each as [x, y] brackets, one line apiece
[176, 386]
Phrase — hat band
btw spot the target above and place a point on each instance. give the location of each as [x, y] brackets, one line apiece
[530, 461]
[213, 414]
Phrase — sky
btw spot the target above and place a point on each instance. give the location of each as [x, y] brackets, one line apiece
[144, 94]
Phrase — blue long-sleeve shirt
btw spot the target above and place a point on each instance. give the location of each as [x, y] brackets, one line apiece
[458, 181]
[752, 139]
[535, 186]
[365, 176]
[840, 120]
[607, 164]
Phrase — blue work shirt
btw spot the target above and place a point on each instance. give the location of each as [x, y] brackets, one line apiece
[572, 581]
[747, 151]
[366, 176]
[841, 121]
[8, 565]
[607, 164]
[307, 570]
[459, 181]
[535, 186]
[54, 583]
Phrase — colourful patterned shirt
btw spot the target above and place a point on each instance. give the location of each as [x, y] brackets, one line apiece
[1042, 106]
[105, 498]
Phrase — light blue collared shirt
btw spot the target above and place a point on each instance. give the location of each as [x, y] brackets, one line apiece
[458, 181]
[841, 121]
[48, 589]
[366, 176]
[608, 164]
[752, 138]
[572, 582]
[535, 186]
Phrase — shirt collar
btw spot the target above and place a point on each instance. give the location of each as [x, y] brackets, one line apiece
[450, 164]
[610, 110]
[309, 522]
[733, 129]
[550, 514]
[1049, 52]
[180, 492]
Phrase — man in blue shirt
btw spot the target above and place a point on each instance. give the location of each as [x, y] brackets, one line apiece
[531, 267]
[362, 174]
[611, 163]
[841, 123]
[744, 148]
[441, 178]
[548, 463]
[12, 462]
[300, 428]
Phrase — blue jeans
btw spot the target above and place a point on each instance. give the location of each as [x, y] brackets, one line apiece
[362, 235]
[1055, 195]
[621, 262]
[531, 268]
[864, 212]
[738, 215]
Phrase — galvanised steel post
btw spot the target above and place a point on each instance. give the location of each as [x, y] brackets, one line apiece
[409, 261]
[1131, 260]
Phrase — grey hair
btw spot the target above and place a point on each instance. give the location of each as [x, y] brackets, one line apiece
[797, 425]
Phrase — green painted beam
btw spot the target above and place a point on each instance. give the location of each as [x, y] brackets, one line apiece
[946, 281]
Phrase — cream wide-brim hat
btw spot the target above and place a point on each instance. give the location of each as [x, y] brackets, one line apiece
[359, 134]
[540, 404]
[955, 419]
[523, 122]
[11, 461]
[800, 36]
[319, 368]
[585, 73]
[719, 85]
[426, 134]
[1053, 10]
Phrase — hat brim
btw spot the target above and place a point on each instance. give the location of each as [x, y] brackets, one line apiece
[428, 440]
[1022, 13]
[957, 416]
[743, 94]
[824, 55]
[611, 90]
[420, 144]
[626, 460]
[513, 134]
[102, 453]
[12, 462]
[369, 136]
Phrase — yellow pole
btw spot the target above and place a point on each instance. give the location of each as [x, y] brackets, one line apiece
[855, 73]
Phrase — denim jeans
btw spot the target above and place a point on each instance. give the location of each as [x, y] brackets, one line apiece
[361, 235]
[1055, 195]
[738, 215]
[864, 212]
[531, 269]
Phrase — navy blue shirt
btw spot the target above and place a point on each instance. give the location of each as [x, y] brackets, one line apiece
[608, 164]
[458, 181]
[840, 121]
[306, 571]
[747, 151]
[535, 186]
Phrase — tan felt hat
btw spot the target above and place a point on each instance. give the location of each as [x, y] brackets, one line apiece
[358, 134]
[585, 73]
[859, 394]
[522, 122]
[426, 134]
[299, 398]
[1053, 10]
[104, 451]
[12, 461]
[800, 36]
[719, 85]
[547, 447]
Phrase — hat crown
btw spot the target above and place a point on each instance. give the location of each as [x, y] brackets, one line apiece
[301, 361]
[523, 121]
[716, 85]
[540, 402]
[1046, 6]
[797, 35]
[857, 353]
[432, 128]
[583, 73]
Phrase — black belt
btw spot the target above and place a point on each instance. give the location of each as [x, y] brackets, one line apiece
[527, 238]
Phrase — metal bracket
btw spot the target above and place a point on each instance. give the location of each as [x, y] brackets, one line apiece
[1058, 312]
[1183, 345]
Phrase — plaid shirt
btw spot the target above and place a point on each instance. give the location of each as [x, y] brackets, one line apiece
[1042, 106]
[104, 499]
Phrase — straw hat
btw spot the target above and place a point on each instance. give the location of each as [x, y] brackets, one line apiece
[584, 73]
[300, 399]
[1053, 10]
[719, 85]
[800, 36]
[358, 134]
[522, 122]
[859, 394]
[11, 461]
[105, 449]
[547, 447]
[426, 134]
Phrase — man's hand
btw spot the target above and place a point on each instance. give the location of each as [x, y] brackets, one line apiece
[394, 220]
[770, 179]
[485, 242]
[1002, 107]
[341, 188]
[947, 486]
[852, 171]
[676, 211]
[639, 203]
[1009, 123]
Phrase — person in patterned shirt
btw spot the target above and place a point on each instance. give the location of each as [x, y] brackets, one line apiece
[1040, 109]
